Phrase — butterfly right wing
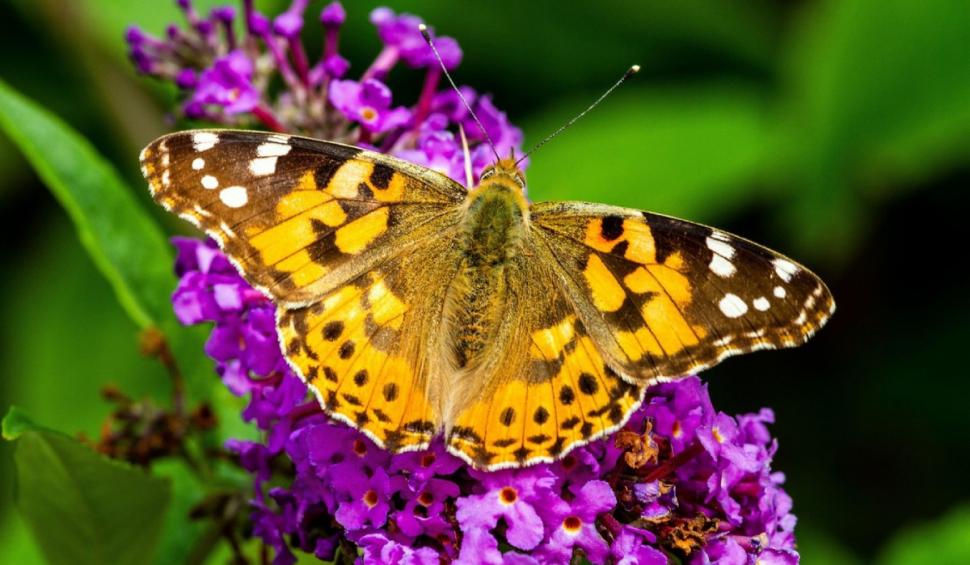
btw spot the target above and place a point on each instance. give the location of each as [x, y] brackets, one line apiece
[665, 298]
[298, 216]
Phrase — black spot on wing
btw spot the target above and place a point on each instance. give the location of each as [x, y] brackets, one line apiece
[381, 176]
[611, 227]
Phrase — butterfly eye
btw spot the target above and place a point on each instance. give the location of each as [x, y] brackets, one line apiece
[487, 173]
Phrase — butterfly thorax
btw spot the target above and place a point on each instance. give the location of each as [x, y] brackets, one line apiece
[493, 230]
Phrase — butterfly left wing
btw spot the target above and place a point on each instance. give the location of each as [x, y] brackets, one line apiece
[664, 298]
[344, 240]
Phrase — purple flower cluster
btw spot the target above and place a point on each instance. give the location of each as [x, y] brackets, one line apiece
[680, 480]
[231, 80]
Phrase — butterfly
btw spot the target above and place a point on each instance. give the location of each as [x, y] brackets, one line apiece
[412, 306]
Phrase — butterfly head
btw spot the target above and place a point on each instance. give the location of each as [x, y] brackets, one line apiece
[505, 171]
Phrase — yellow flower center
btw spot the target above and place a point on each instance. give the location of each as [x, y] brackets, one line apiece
[368, 114]
[572, 524]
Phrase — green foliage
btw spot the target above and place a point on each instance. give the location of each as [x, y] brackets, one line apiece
[81, 506]
[946, 540]
[693, 152]
[128, 247]
[878, 98]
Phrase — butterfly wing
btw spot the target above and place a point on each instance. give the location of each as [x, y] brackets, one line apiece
[664, 297]
[344, 240]
[298, 216]
[369, 348]
[545, 387]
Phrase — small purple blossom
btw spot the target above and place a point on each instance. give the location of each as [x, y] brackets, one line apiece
[369, 104]
[573, 523]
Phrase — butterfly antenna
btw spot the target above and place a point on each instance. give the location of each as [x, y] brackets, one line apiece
[629, 73]
[427, 37]
[469, 182]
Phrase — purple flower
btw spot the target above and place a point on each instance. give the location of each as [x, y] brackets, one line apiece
[289, 23]
[379, 549]
[333, 15]
[512, 496]
[573, 523]
[368, 103]
[362, 500]
[631, 547]
[228, 84]
[400, 32]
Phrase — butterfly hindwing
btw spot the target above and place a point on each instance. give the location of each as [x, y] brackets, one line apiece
[299, 216]
[663, 297]
[367, 348]
[545, 389]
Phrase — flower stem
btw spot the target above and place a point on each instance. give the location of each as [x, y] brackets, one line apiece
[268, 119]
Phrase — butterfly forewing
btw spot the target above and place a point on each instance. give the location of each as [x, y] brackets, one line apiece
[664, 297]
[299, 216]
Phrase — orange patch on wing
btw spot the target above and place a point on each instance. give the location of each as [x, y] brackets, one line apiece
[302, 268]
[360, 233]
[548, 343]
[642, 248]
[607, 293]
[348, 177]
[394, 191]
[386, 307]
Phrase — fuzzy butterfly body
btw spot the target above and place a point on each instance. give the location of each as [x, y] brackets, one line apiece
[412, 306]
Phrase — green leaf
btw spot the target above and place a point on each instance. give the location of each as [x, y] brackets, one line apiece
[122, 239]
[878, 92]
[16, 422]
[80, 506]
[946, 540]
[693, 152]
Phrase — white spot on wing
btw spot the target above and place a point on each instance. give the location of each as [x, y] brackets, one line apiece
[234, 196]
[720, 235]
[720, 246]
[204, 140]
[273, 149]
[721, 266]
[761, 303]
[732, 306]
[785, 269]
[209, 182]
[198, 163]
[780, 292]
[262, 166]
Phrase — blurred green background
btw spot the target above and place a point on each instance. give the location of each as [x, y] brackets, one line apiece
[835, 131]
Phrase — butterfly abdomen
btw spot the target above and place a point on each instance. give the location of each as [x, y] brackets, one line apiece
[493, 229]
